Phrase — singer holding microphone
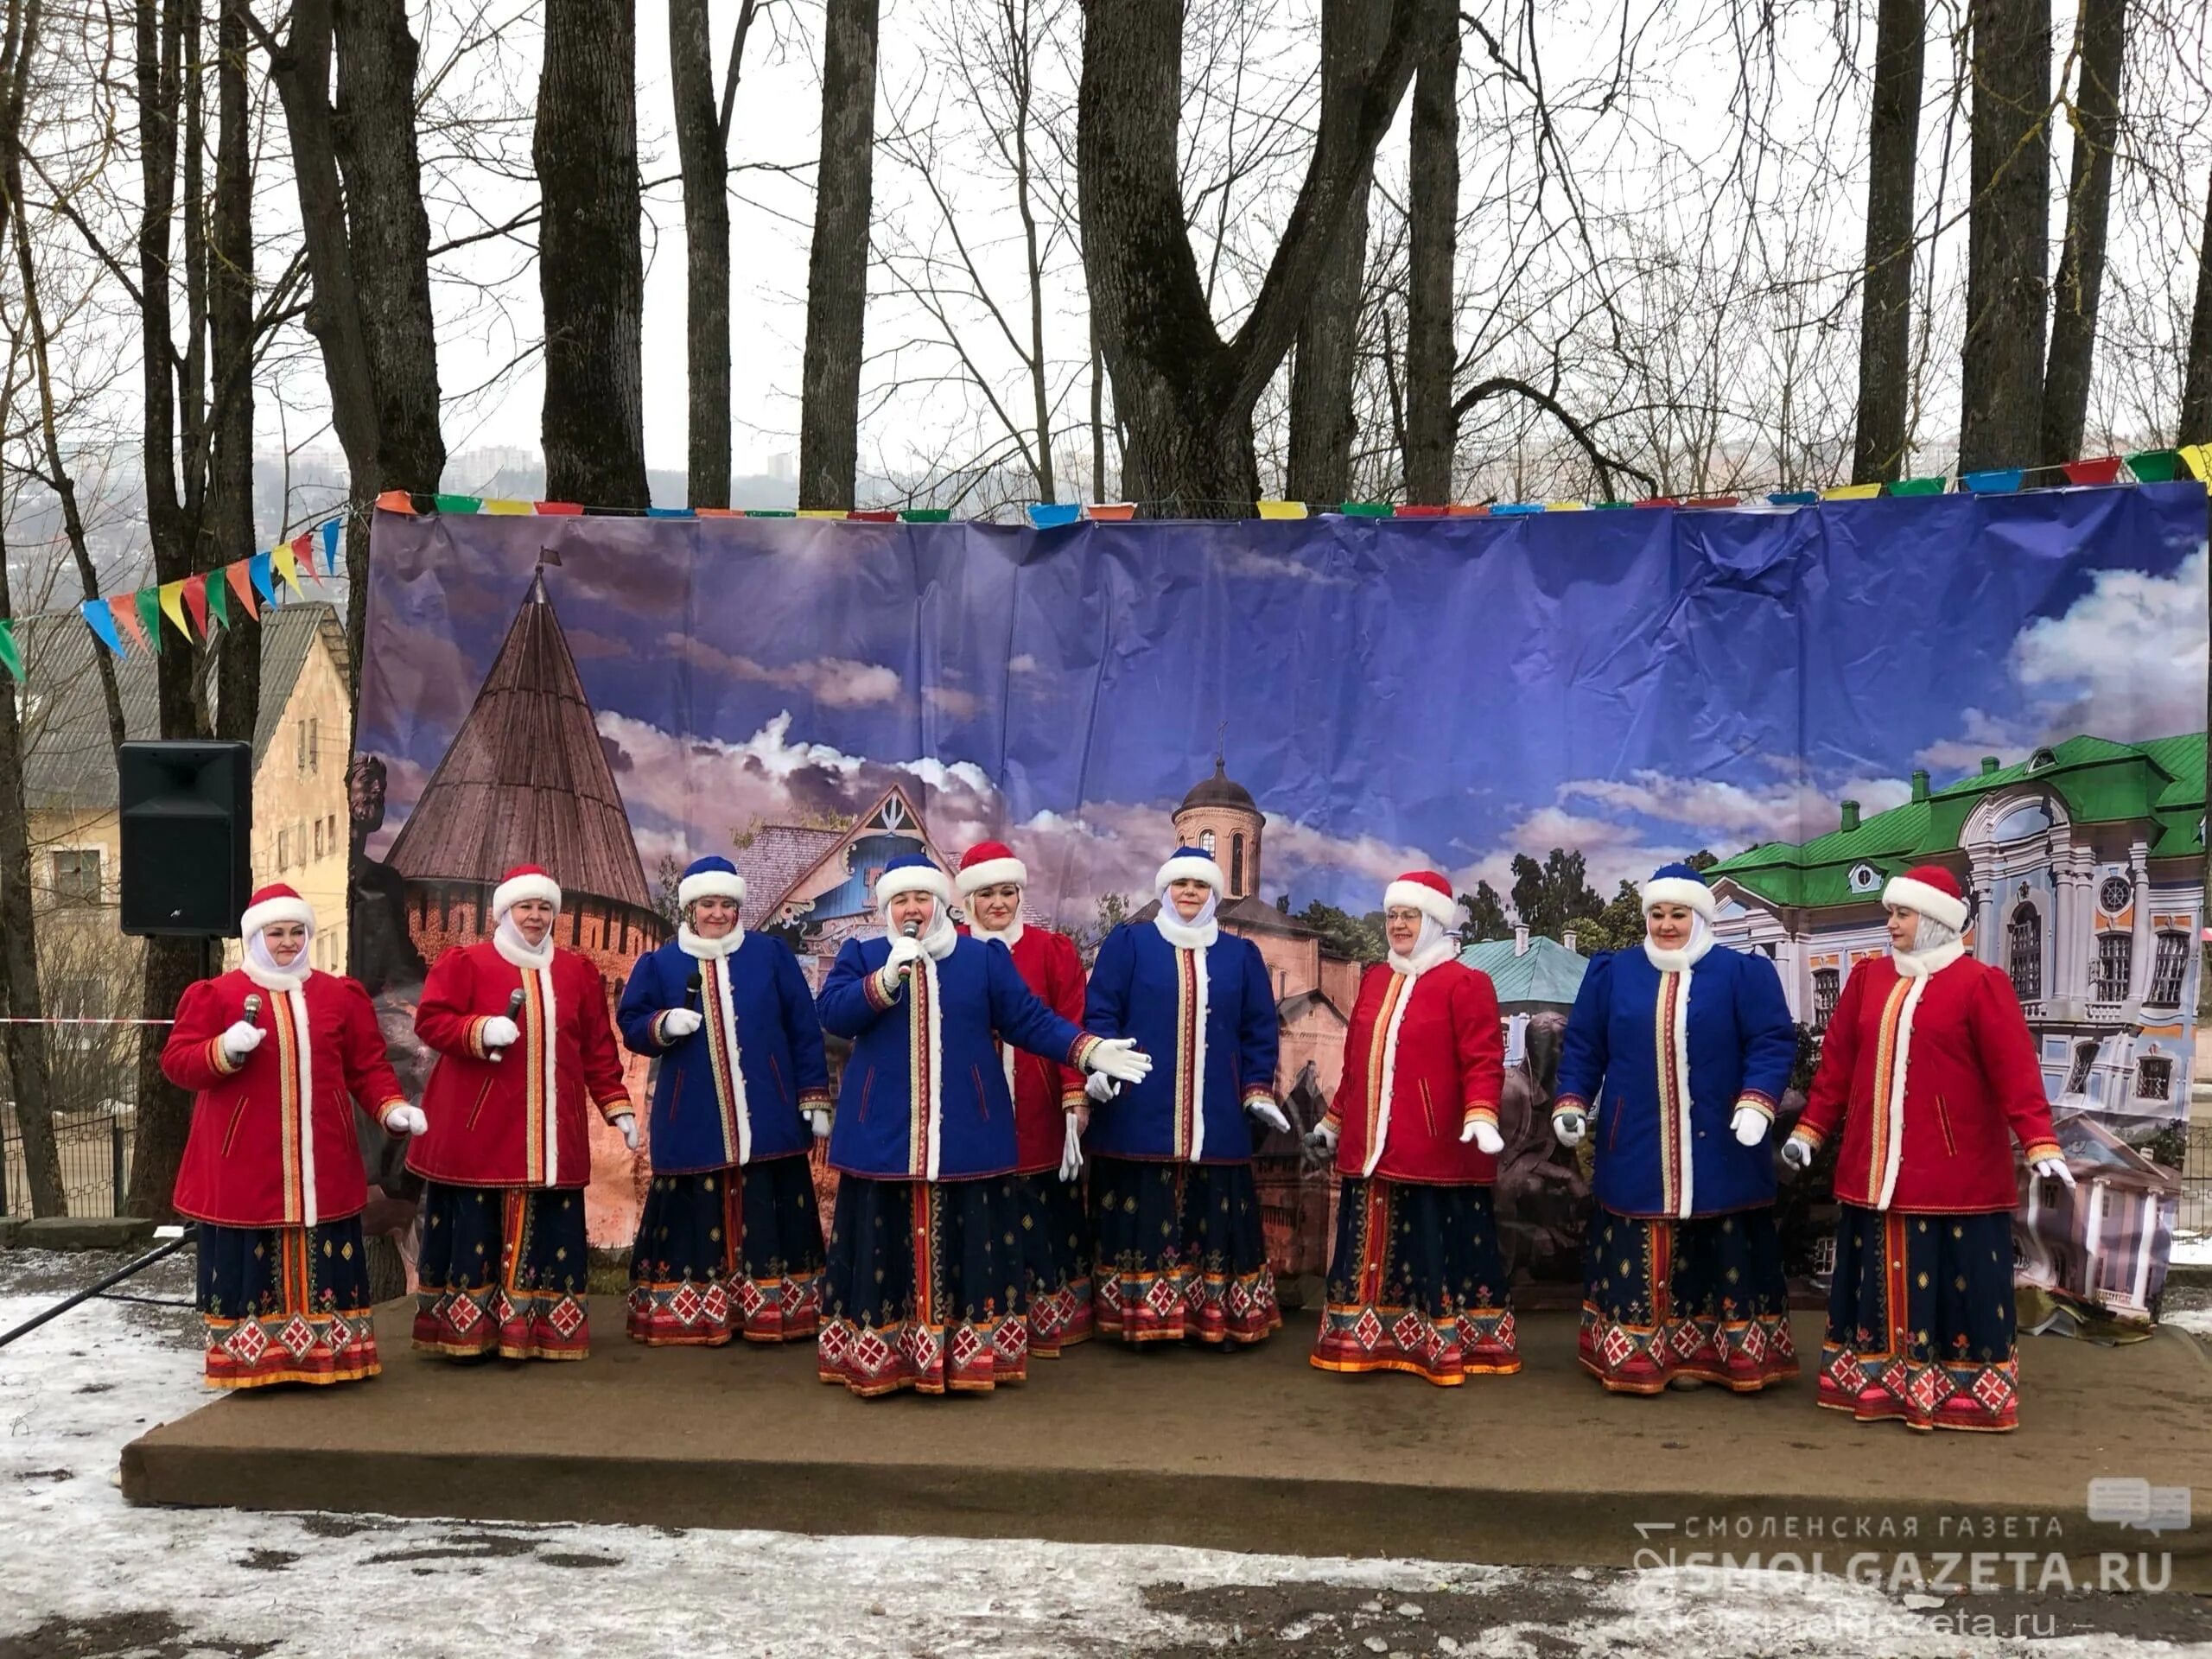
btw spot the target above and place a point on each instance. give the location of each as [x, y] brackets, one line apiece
[730, 1241]
[271, 1171]
[927, 1281]
[525, 1050]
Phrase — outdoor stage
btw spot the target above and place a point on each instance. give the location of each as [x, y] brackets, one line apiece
[1248, 1452]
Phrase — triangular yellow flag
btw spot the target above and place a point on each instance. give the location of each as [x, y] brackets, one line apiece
[287, 567]
[1282, 509]
[173, 605]
[2198, 457]
[1852, 493]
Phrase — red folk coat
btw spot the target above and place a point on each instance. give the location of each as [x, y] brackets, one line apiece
[1447, 1069]
[1936, 1138]
[264, 1151]
[519, 1121]
[1043, 1092]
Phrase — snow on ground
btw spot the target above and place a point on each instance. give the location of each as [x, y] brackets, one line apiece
[2193, 1250]
[86, 1575]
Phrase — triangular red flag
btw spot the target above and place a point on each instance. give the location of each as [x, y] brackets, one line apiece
[241, 582]
[195, 600]
[125, 610]
[303, 550]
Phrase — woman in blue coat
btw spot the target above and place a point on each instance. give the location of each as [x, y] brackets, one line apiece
[926, 1281]
[1676, 1053]
[730, 1241]
[1174, 1211]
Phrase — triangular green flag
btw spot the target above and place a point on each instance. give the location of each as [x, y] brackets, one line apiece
[11, 655]
[218, 601]
[149, 600]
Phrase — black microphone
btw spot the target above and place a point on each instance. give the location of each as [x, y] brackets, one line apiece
[514, 1008]
[913, 931]
[691, 992]
[252, 1007]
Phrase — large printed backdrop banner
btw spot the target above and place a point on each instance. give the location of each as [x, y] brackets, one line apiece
[1806, 694]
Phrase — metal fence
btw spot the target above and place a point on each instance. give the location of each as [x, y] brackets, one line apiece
[2197, 1179]
[95, 1148]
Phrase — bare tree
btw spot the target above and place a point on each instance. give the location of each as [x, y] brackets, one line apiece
[2196, 424]
[2095, 117]
[1885, 305]
[1321, 420]
[591, 262]
[2000, 390]
[837, 267]
[1187, 394]
[1432, 221]
[230, 330]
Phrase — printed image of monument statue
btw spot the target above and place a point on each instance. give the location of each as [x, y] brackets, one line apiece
[526, 780]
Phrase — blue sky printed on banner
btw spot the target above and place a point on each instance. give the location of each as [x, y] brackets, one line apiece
[1441, 692]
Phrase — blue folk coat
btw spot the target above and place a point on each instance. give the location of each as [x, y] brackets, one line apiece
[1145, 988]
[1659, 1153]
[704, 1115]
[899, 1116]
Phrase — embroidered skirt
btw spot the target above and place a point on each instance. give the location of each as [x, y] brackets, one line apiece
[502, 1272]
[924, 1288]
[1056, 1235]
[1921, 1321]
[722, 1253]
[1180, 1253]
[286, 1305]
[1702, 1297]
[1416, 1285]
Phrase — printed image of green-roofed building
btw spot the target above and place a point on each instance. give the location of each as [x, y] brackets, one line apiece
[2083, 868]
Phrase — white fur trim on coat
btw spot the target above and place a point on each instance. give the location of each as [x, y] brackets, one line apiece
[710, 884]
[989, 873]
[509, 893]
[1678, 890]
[1427, 900]
[1191, 869]
[1909, 894]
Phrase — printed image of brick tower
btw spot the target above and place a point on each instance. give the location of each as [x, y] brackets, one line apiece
[526, 781]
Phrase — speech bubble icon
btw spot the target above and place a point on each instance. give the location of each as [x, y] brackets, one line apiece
[2119, 1500]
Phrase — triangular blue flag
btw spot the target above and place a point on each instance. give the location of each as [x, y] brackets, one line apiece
[1048, 515]
[265, 581]
[330, 533]
[101, 621]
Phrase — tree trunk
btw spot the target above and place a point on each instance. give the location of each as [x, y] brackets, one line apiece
[2082, 262]
[837, 266]
[230, 314]
[20, 996]
[1433, 226]
[2195, 425]
[706, 249]
[590, 264]
[1322, 426]
[1885, 305]
[2000, 387]
[1185, 394]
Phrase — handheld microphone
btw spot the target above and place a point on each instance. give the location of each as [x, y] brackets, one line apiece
[514, 1008]
[691, 992]
[913, 931]
[252, 1007]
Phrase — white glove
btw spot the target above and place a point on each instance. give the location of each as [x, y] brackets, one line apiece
[1072, 1148]
[627, 1122]
[1484, 1134]
[680, 1022]
[903, 951]
[817, 1119]
[2054, 1169]
[1750, 1125]
[405, 1120]
[500, 1032]
[1100, 1087]
[1322, 1137]
[1268, 1113]
[1797, 1154]
[240, 1039]
[1118, 1058]
[1570, 1127]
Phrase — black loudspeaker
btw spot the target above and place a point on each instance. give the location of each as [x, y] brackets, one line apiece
[187, 826]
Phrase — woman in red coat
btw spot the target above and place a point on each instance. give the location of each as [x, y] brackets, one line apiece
[1049, 1105]
[1928, 1064]
[271, 1171]
[1415, 1282]
[525, 1050]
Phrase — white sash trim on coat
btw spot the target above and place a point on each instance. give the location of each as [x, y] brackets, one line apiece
[1200, 996]
[1682, 964]
[1919, 967]
[540, 962]
[718, 974]
[1411, 977]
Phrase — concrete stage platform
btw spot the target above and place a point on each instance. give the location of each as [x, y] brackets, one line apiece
[1254, 1450]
